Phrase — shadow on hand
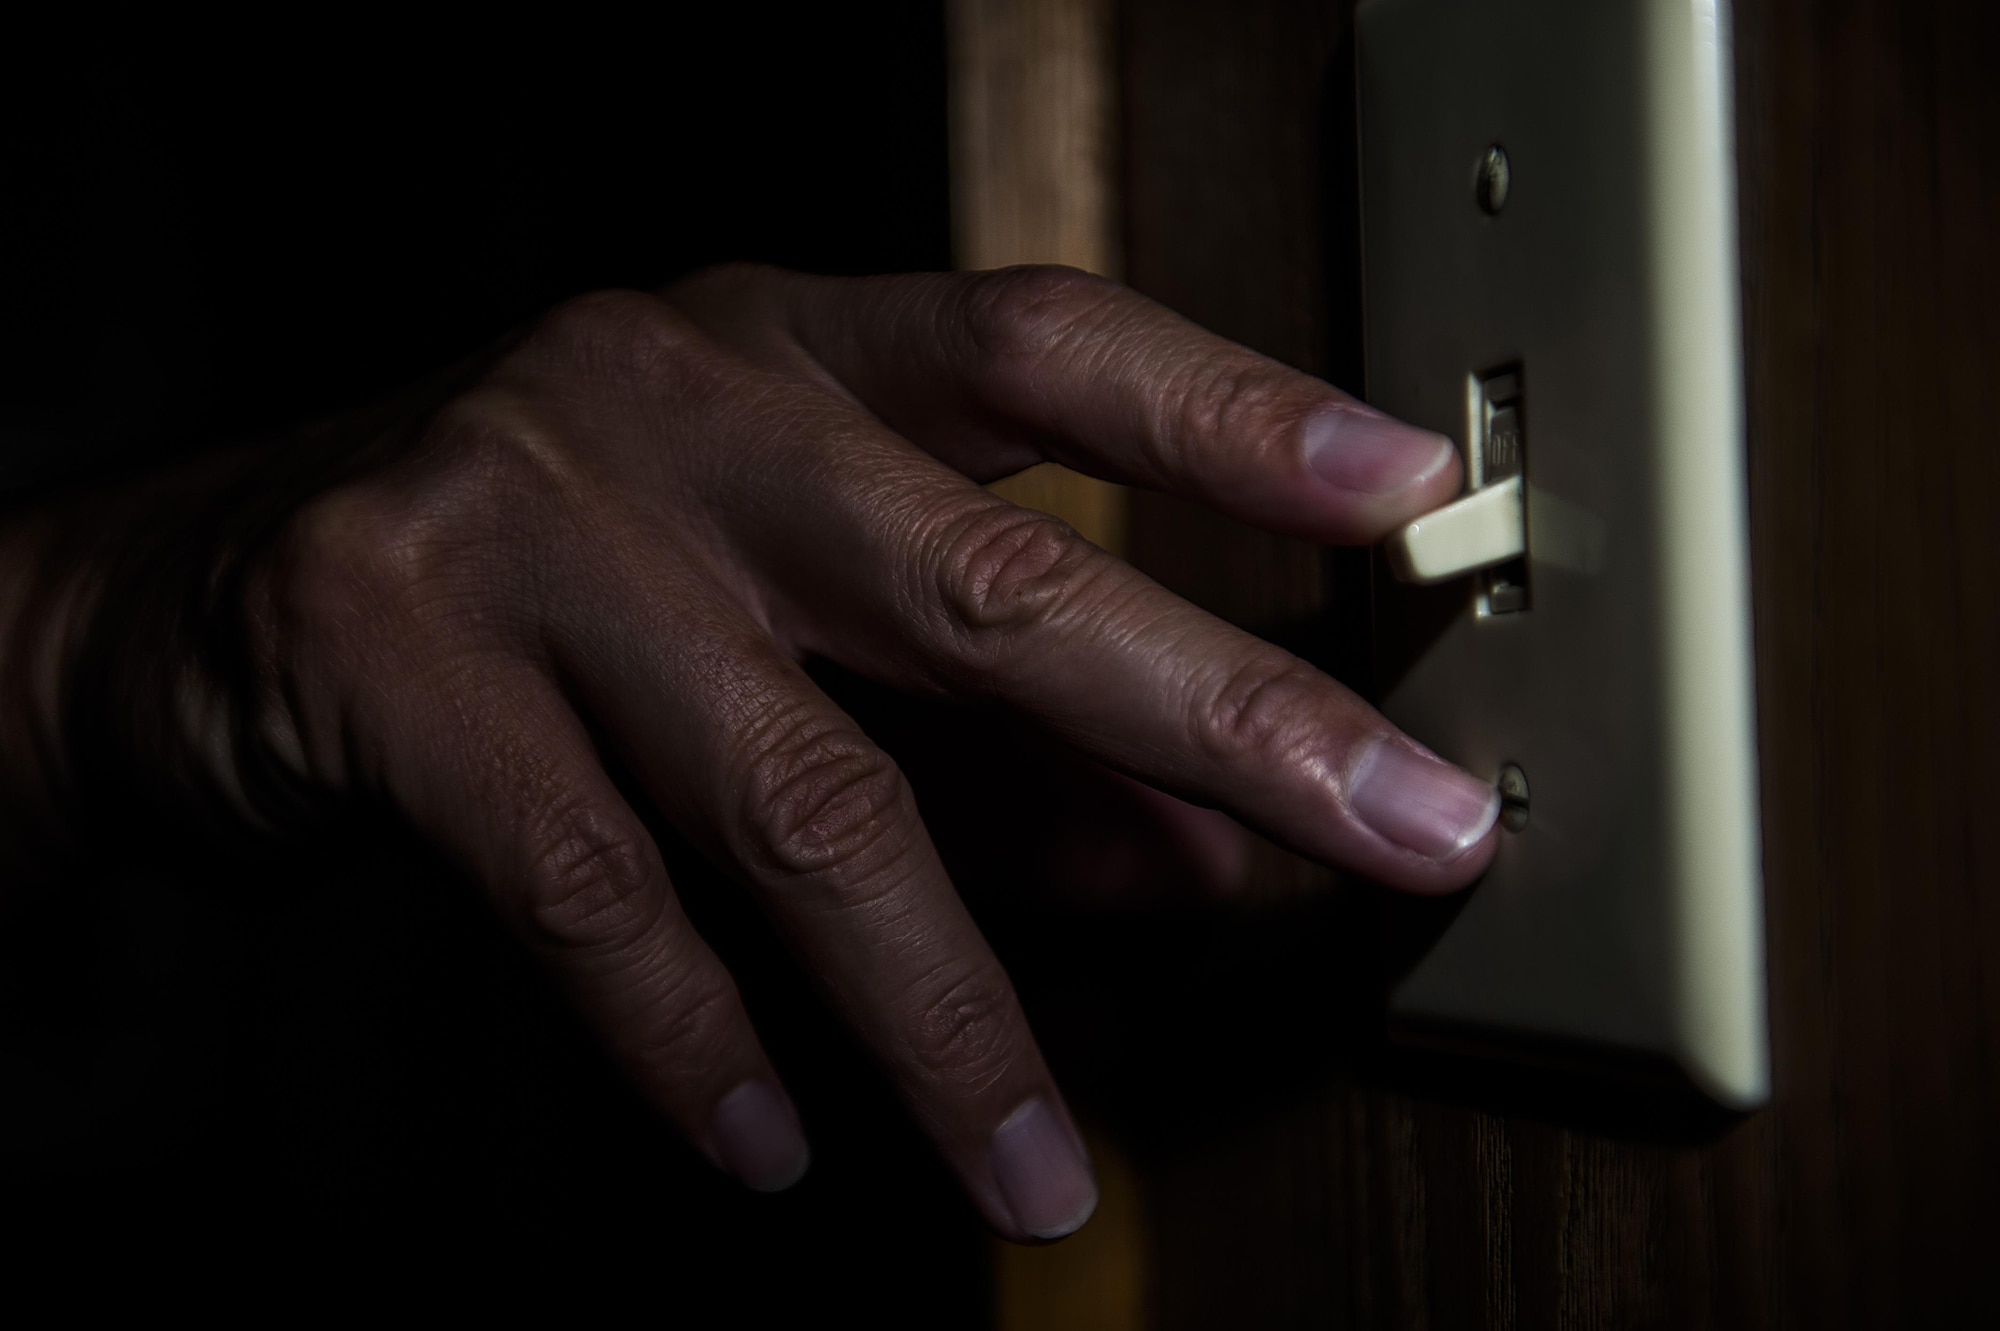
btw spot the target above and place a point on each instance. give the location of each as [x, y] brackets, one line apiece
[1177, 1003]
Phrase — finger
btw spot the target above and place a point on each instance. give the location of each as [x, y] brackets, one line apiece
[906, 572]
[1100, 837]
[504, 777]
[746, 756]
[1024, 609]
[944, 585]
[993, 371]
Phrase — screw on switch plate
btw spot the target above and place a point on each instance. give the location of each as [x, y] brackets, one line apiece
[1495, 182]
[1513, 797]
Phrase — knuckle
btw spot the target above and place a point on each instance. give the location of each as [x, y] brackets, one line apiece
[362, 586]
[592, 885]
[964, 1031]
[627, 335]
[1002, 568]
[356, 556]
[1245, 401]
[442, 540]
[824, 801]
[344, 542]
[1264, 712]
[719, 283]
[492, 456]
[1034, 311]
[692, 1023]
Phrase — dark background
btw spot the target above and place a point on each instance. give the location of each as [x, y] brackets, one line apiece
[211, 232]
[335, 1060]
[335, 1067]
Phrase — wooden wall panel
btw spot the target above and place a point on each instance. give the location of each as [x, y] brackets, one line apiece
[1034, 150]
[1349, 1188]
[1034, 180]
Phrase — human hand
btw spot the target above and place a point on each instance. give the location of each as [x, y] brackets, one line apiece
[619, 545]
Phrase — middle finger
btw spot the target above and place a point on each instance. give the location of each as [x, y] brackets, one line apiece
[748, 758]
[940, 585]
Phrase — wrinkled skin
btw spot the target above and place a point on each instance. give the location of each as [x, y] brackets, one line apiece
[621, 538]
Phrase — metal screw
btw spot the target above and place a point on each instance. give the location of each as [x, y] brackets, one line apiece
[1513, 798]
[1496, 177]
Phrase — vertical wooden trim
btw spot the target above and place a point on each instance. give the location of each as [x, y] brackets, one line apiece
[1033, 113]
[1033, 117]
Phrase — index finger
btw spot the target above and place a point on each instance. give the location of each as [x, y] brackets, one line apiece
[942, 586]
[991, 372]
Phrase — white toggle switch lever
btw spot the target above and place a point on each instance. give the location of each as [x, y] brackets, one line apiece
[1483, 528]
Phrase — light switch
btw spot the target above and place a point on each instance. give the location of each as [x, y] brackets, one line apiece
[1548, 255]
[1487, 529]
[1483, 528]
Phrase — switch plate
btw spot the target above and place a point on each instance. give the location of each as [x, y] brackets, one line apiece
[1625, 915]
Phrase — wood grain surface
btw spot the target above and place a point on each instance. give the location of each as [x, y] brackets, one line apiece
[1033, 180]
[1294, 1173]
[1034, 148]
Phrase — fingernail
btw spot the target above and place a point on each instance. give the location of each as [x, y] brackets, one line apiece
[1422, 803]
[756, 1134]
[1040, 1167]
[1360, 449]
